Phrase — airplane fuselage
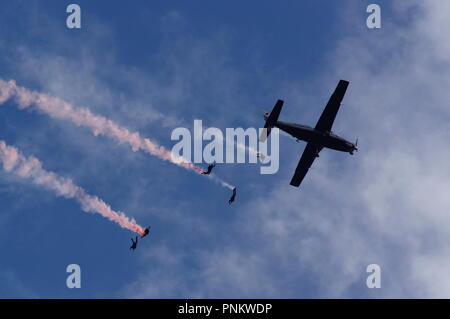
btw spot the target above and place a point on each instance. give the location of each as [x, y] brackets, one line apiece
[311, 135]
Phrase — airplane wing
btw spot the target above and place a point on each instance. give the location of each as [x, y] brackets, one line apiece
[308, 157]
[329, 114]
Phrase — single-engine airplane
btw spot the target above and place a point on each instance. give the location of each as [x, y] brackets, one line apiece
[316, 137]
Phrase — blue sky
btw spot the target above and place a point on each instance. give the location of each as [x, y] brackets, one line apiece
[154, 67]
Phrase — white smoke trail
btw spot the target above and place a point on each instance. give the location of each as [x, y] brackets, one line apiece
[59, 109]
[31, 168]
[219, 181]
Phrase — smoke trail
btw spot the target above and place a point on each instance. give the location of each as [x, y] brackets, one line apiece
[219, 181]
[59, 109]
[31, 168]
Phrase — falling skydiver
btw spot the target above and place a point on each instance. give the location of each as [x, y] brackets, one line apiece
[134, 243]
[208, 171]
[146, 231]
[232, 196]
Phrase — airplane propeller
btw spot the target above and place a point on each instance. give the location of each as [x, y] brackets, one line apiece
[354, 148]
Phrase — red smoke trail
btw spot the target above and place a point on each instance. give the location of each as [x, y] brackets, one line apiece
[31, 168]
[99, 125]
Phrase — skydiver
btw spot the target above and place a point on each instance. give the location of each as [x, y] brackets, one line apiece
[232, 196]
[208, 171]
[146, 231]
[134, 243]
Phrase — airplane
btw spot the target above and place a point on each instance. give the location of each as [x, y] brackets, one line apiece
[232, 196]
[208, 171]
[134, 245]
[317, 137]
[146, 231]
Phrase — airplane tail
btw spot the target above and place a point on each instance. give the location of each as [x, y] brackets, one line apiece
[271, 120]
